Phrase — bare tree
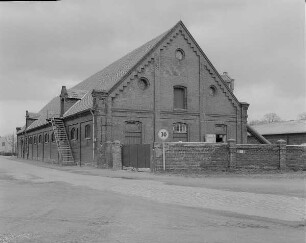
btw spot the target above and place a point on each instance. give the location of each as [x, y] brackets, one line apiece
[302, 116]
[271, 117]
[256, 122]
[268, 118]
[12, 141]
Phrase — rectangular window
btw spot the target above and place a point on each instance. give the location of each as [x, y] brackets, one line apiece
[87, 131]
[3, 144]
[180, 98]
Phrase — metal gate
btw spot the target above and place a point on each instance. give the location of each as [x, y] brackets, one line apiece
[136, 155]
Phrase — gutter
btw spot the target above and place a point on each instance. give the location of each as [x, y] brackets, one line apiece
[93, 134]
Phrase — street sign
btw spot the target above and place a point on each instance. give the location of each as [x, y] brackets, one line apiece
[163, 134]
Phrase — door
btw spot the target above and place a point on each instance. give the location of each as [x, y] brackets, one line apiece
[136, 155]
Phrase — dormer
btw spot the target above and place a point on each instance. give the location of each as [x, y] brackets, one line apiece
[69, 98]
[31, 117]
[228, 80]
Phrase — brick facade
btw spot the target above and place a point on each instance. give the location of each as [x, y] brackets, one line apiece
[151, 107]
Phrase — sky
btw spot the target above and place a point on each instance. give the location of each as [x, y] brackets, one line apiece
[44, 45]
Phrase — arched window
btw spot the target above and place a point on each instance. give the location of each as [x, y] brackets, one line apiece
[180, 97]
[35, 139]
[180, 132]
[46, 137]
[73, 134]
[52, 137]
[39, 139]
[87, 131]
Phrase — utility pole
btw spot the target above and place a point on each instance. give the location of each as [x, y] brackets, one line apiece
[13, 145]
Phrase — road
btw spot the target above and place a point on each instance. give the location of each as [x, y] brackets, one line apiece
[41, 204]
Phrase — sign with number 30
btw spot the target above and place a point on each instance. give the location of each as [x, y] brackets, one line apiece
[163, 134]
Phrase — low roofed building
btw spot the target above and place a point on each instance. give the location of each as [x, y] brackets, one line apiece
[293, 132]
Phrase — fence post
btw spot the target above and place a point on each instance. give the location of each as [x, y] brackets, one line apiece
[282, 154]
[116, 155]
[232, 153]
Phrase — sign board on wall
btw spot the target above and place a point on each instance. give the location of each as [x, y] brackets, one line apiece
[210, 138]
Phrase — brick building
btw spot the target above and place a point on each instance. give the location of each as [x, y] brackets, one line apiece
[166, 83]
[293, 132]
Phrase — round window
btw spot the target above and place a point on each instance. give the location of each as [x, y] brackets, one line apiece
[143, 83]
[179, 54]
[212, 90]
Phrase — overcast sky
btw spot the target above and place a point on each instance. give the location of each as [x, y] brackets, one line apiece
[44, 45]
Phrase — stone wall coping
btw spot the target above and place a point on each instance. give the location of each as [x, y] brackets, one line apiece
[296, 145]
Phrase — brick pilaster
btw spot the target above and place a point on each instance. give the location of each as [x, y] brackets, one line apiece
[282, 154]
[116, 155]
[232, 153]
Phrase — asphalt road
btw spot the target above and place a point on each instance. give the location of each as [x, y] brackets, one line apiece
[41, 204]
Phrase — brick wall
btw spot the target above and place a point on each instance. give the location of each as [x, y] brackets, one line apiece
[201, 156]
[191, 156]
[82, 148]
[296, 157]
[154, 105]
[257, 156]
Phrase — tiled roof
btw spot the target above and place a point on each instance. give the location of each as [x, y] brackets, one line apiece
[21, 130]
[51, 109]
[109, 76]
[284, 127]
[103, 80]
[33, 115]
[76, 94]
[81, 105]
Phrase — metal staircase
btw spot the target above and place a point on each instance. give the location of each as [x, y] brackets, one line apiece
[62, 142]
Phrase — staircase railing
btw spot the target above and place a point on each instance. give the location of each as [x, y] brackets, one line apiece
[62, 141]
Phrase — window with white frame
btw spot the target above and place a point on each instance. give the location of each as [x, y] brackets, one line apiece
[179, 128]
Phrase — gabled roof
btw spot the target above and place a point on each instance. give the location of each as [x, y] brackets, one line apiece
[107, 79]
[49, 110]
[285, 127]
[112, 74]
[102, 80]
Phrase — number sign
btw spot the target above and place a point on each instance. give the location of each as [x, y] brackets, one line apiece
[163, 134]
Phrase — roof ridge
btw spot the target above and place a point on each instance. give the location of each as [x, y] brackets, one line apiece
[118, 68]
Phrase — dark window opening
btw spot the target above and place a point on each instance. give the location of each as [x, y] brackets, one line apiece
[46, 138]
[52, 138]
[220, 138]
[35, 140]
[180, 98]
[87, 131]
[73, 134]
[39, 139]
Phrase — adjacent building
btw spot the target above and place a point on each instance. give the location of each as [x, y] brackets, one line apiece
[293, 132]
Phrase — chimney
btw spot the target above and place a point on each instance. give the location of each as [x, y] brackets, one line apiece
[229, 81]
[27, 119]
[63, 97]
